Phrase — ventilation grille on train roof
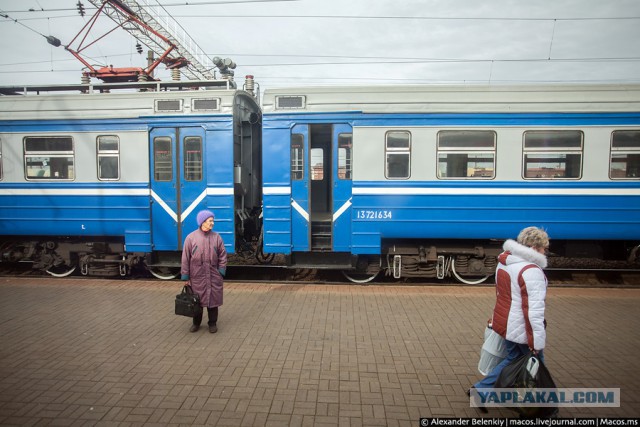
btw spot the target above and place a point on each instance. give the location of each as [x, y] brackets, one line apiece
[166, 105]
[205, 104]
[290, 102]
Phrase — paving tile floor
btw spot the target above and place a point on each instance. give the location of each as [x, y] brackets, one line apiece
[111, 352]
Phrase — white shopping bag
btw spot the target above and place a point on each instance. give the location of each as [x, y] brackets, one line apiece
[494, 350]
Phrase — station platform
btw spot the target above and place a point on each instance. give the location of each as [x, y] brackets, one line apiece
[111, 352]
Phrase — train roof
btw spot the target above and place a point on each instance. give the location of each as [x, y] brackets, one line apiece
[117, 100]
[455, 99]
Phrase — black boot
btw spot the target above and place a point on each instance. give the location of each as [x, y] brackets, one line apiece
[480, 408]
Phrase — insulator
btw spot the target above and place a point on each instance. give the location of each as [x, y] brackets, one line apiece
[175, 74]
[80, 8]
[144, 78]
[53, 41]
[139, 48]
[229, 63]
[85, 79]
[249, 83]
[225, 66]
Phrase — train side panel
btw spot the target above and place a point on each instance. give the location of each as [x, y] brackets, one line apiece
[102, 178]
[80, 205]
[444, 174]
[424, 206]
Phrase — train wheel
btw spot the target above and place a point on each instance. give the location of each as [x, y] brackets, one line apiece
[260, 255]
[61, 270]
[264, 258]
[359, 277]
[466, 281]
[164, 273]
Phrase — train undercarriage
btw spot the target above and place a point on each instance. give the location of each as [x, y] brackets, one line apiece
[61, 257]
[467, 262]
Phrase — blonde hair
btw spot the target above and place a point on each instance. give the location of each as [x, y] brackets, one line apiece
[534, 237]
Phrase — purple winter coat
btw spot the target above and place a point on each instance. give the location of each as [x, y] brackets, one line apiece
[202, 255]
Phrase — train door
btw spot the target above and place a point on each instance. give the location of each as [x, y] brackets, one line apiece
[300, 188]
[177, 182]
[342, 151]
[321, 187]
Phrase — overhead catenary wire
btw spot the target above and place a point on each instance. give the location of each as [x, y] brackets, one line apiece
[358, 17]
[50, 39]
[402, 17]
[19, 22]
[377, 60]
[352, 59]
[165, 5]
[328, 81]
[48, 18]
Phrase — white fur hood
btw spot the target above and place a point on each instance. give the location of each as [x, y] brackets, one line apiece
[520, 253]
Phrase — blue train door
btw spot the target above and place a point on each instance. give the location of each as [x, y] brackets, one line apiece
[178, 183]
[342, 151]
[321, 187]
[300, 188]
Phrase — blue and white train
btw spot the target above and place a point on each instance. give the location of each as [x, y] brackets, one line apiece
[412, 181]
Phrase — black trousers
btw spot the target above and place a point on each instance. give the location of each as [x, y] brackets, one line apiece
[213, 316]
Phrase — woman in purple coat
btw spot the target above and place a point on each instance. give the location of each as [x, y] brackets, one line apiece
[204, 263]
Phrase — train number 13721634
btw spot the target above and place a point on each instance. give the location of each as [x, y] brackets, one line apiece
[366, 214]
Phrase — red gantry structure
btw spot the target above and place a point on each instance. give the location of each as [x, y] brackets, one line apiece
[172, 47]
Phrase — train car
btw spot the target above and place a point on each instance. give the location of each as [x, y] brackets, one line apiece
[428, 181]
[102, 178]
[413, 181]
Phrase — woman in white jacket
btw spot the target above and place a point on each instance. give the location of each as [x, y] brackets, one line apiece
[521, 288]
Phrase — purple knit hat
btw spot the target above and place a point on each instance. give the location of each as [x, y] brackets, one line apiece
[203, 216]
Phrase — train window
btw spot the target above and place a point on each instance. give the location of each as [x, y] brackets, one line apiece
[193, 158]
[344, 155]
[162, 159]
[108, 158]
[317, 164]
[553, 154]
[0, 159]
[469, 154]
[398, 155]
[297, 156]
[49, 157]
[625, 155]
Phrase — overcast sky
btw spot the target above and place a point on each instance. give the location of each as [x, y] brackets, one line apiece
[338, 42]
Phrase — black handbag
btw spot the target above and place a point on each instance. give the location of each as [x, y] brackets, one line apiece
[188, 303]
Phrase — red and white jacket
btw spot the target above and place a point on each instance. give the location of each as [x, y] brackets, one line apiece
[521, 288]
